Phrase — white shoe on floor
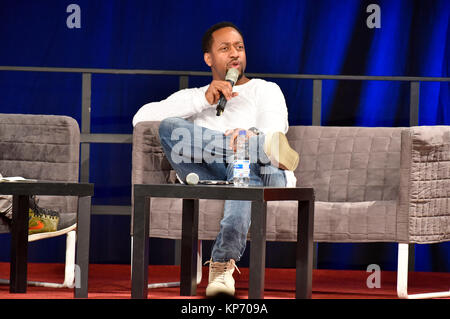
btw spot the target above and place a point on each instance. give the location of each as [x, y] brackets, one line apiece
[221, 281]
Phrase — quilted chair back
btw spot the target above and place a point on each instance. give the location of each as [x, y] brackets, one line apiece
[348, 164]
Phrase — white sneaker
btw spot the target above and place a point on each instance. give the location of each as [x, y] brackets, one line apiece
[221, 279]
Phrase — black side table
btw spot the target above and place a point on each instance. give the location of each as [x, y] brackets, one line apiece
[190, 195]
[21, 192]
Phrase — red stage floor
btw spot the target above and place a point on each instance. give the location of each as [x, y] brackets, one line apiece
[113, 282]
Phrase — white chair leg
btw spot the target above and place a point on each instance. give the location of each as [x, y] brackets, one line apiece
[69, 271]
[402, 278]
[199, 262]
[177, 283]
[69, 276]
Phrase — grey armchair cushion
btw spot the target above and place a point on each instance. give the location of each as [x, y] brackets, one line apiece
[348, 164]
[44, 147]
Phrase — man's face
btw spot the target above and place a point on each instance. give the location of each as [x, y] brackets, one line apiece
[227, 51]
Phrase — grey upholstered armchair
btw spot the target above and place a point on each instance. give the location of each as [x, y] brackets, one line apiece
[372, 184]
[44, 147]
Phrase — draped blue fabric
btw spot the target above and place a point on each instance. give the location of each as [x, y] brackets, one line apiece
[298, 37]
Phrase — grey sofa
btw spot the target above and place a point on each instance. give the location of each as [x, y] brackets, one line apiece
[44, 147]
[371, 185]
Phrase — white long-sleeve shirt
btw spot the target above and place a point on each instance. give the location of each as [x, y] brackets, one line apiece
[259, 104]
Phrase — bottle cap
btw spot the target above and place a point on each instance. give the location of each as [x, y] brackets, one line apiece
[192, 179]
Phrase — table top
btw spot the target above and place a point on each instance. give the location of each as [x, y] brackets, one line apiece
[30, 187]
[224, 192]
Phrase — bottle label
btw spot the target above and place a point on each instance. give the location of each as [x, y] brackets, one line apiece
[241, 168]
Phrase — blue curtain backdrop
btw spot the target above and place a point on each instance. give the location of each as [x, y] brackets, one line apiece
[304, 37]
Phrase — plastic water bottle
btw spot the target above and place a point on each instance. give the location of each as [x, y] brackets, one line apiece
[241, 165]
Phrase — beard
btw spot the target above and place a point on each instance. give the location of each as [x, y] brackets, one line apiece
[241, 74]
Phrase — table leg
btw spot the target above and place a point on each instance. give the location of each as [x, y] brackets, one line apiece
[189, 247]
[19, 245]
[139, 262]
[82, 251]
[305, 243]
[257, 250]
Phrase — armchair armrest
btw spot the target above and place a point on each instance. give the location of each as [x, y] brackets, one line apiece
[424, 195]
[149, 164]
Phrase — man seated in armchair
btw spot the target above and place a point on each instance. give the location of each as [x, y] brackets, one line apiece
[254, 105]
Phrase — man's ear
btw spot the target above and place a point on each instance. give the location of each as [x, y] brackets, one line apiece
[207, 58]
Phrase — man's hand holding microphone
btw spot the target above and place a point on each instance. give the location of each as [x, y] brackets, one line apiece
[222, 91]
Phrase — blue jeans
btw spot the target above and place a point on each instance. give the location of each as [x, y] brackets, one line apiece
[192, 148]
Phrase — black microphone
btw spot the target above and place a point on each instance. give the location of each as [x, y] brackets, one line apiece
[232, 76]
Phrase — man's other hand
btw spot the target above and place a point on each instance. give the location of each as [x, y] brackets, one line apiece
[234, 133]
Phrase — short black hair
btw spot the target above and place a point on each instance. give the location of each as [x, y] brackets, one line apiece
[207, 37]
